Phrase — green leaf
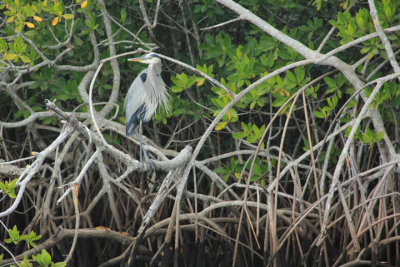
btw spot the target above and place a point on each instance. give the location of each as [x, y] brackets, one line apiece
[58, 8]
[12, 194]
[319, 114]
[366, 139]
[331, 82]
[68, 16]
[330, 102]
[123, 15]
[14, 236]
[264, 59]
[184, 79]
[278, 102]
[24, 59]
[379, 136]
[360, 20]
[365, 49]
[227, 41]
[221, 125]
[10, 56]
[300, 73]
[13, 183]
[291, 76]
[10, 19]
[176, 89]
[238, 53]
[31, 238]
[221, 170]
[252, 139]
[234, 115]
[255, 129]
[176, 80]
[238, 135]
[3, 45]
[46, 256]
[191, 81]
[244, 126]
[43, 259]
[257, 170]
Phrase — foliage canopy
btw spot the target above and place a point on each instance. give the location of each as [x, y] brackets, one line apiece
[292, 108]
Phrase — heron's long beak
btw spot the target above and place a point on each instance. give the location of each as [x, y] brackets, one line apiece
[137, 59]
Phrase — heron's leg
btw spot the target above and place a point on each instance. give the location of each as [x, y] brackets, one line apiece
[142, 150]
[141, 141]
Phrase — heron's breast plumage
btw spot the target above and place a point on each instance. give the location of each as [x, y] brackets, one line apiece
[146, 93]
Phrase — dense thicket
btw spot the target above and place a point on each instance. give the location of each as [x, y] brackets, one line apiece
[255, 87]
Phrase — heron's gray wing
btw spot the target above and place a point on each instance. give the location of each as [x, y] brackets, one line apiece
[135, 103]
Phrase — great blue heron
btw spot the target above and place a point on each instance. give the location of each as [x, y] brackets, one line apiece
[146, 93]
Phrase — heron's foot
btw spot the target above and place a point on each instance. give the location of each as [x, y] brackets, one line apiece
[150, 162]
[147, 160]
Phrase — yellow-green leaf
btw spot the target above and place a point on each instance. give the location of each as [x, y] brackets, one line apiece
[37, 18]
[201, 82]
[84, 4]
[54, 21]
[283, 92]
[221, 125]
[10, 56]
[30, 25]
[19, 27]
[10, 19]
[68, 16]
[25, 59]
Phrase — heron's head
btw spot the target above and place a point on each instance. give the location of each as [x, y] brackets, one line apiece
[147, 59]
